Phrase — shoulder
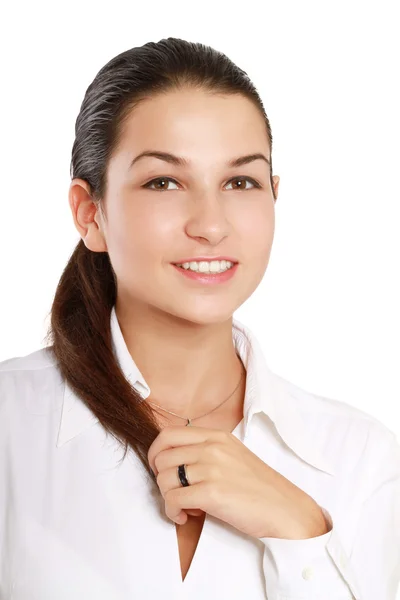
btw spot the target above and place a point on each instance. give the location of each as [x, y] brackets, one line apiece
[325, 407]
[22, 378]
[352, 438]
[38, 359]
[345, 433]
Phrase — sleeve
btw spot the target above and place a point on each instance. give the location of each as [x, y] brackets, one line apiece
[315, 568]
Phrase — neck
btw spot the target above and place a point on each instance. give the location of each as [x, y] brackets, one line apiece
[190, 368]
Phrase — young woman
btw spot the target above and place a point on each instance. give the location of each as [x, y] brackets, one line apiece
[148, 451]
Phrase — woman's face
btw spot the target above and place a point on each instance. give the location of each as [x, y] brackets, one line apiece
[149, 226]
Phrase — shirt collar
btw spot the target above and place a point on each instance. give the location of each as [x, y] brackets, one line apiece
[266, 392]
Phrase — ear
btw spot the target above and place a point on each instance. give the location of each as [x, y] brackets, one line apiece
[86, 215]
[276, 180]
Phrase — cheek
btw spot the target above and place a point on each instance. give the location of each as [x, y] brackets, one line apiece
[256, 237]
[138, 240]
[257, 233]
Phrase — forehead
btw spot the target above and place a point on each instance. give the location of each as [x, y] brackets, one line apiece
[191, 121]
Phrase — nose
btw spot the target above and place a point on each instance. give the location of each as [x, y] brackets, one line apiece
[208, 220]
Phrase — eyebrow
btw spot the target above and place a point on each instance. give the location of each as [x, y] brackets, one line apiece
[179, 161]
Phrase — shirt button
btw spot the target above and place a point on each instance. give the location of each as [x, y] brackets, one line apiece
[308, 573]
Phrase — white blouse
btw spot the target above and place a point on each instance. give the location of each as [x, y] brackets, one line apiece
[75, 524]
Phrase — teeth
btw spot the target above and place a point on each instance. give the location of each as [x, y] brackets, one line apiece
[214, 266]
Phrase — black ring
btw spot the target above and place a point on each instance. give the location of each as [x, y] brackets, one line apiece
[182, 475]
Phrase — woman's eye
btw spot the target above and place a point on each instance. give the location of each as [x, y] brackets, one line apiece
[163, 180]
[243, 179]
[159, 180]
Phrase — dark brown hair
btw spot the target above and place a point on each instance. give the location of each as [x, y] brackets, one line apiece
[79, 331]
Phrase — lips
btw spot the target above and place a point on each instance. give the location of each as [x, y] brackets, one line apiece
[205, 259]
[208, 278]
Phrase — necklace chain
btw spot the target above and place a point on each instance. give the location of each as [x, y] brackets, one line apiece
[189, 421]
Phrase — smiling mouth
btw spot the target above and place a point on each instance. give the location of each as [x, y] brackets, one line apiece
[212, 267]
[224, 273]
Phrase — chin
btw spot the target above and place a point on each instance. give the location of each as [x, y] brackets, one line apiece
[204, 316]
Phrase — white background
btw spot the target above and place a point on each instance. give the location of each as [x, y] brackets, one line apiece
[327, 312]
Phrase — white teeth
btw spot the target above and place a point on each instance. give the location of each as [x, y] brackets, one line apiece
[214, 266]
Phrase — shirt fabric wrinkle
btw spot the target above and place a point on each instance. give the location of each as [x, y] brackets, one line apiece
[75, 523]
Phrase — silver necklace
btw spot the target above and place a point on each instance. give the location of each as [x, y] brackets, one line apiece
[189, 421]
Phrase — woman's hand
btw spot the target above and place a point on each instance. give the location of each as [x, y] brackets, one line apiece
[231, 483]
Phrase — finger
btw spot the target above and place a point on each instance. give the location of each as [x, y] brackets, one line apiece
[168, 479]
[178, 500]
[194, 512]
[172, 457]
[182, 517]
[175, 436]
